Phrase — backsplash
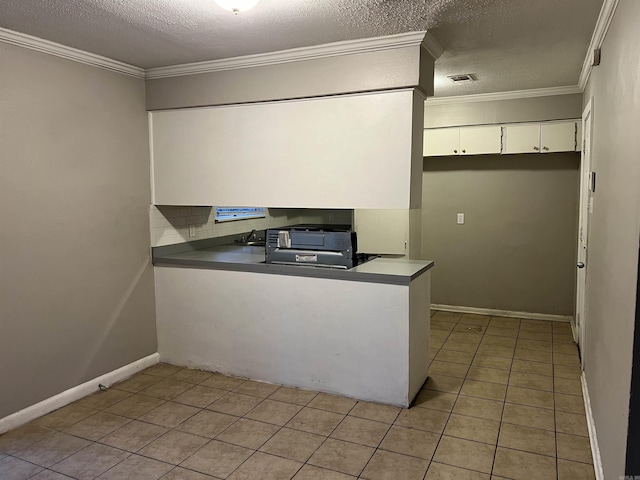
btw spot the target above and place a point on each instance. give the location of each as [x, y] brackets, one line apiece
[170, 224]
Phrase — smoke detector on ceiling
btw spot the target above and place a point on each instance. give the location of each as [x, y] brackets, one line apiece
[461, 78]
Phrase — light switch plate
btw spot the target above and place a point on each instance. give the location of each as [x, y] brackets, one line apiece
[460, 219]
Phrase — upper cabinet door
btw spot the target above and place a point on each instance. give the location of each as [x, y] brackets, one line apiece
[480, 140]
[439, 142]
[558, 137]
[521, 138]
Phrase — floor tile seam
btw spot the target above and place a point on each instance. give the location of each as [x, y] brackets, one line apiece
[293, 403]
[138, 453]
[408, 454]
[362, 444]
[213, 477]
[461, 468]
[527, 405]
[330, 469]
[175, 426]
[142, 394]
[55, 463]
[530, 388]
[325, 441]
[258, 450]
[129, 451]
[504, 403]
[569, 394]
[555, 410]
[530, 373]
[63, 473]
[578, 461]
[458, 466]
[15, 457]
[576, 435]
[527, 426]
[486, 381]
[323, 410]
[471, 439]
[375, 449]
[87, 439]
[280, 427]
[380, 421]
[555, 457]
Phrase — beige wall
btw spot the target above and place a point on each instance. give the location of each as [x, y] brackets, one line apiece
[404, 67]
[76, 284]
[537, 109]
[517, 248]
[614, 231]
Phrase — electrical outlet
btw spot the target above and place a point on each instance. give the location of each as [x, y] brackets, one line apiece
[460, 219]
[192, 231]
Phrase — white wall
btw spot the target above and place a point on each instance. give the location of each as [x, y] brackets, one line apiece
[76, 283]
[614, 232]
[339, 336]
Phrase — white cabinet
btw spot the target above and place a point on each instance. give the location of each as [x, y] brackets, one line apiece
[545, 137]
[441, 141]
[462, 141]
[480, 140]
[558, 137]
[347, 151]
[521, 139]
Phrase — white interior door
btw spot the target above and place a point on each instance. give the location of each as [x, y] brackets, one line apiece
[586, 206]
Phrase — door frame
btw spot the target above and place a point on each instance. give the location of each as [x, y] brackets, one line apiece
[584, 209]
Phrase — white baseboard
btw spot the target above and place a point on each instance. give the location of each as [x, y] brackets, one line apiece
[76, 393]
[501, 313]
[595, 449]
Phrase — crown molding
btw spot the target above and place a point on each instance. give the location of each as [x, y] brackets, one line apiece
[514, 94]
[69, 53]
[296, 54]
[602, 25]
[433, 46]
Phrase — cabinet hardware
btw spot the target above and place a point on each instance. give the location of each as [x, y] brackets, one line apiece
[455, 151]
[536, 148]
[545, 148]
[464, 151]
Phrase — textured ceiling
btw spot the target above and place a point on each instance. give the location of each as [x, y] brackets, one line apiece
[505, 44]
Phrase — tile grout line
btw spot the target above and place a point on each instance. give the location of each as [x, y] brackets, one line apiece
[435, 450]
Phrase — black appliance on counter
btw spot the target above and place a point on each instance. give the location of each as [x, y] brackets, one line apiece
[312, 246]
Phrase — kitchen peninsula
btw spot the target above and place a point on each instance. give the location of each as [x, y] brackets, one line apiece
[361, 332]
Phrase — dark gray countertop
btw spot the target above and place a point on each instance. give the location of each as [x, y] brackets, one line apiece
[395, 271]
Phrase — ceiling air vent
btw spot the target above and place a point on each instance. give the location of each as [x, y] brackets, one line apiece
[461, 78]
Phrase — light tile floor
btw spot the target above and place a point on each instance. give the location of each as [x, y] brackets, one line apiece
[503, 402]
